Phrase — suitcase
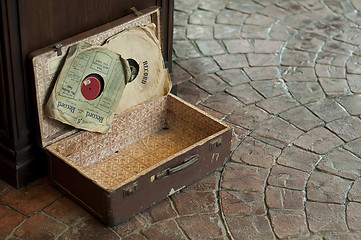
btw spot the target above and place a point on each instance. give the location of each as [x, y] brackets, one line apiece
[151, 151]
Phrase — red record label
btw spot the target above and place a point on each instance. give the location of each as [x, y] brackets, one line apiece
[91, 87]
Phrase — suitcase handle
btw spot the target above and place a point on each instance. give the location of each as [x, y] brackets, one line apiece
[186, 163]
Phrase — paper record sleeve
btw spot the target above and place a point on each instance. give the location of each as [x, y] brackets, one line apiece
[88, 88]
[141, 48]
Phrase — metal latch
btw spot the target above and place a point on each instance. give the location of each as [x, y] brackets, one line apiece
[215, 143]
[58, 49]
[130, 189]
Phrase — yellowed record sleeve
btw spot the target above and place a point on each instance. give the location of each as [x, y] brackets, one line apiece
[152, 80]
[73, 100]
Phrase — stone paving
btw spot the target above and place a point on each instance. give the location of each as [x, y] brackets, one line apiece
[286, 75]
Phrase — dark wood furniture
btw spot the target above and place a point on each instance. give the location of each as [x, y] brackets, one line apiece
[28, 25]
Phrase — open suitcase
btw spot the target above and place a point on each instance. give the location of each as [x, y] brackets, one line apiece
[151, 151]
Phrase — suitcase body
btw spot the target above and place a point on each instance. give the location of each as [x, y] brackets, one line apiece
[151, 151]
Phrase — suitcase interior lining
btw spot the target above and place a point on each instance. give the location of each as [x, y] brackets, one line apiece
[138, 140]
[46, 66]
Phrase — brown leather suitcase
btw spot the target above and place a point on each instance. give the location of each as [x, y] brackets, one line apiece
[152, 150]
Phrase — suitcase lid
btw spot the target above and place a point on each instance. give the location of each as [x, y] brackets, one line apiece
[47, 62]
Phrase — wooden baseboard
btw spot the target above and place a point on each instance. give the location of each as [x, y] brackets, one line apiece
[21, 173]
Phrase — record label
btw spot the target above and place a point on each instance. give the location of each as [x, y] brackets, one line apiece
[91, 86]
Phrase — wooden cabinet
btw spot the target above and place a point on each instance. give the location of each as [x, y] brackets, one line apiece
[28, 25]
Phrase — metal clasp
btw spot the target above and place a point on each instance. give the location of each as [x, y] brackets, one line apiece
[215, 143]
[130, 189]
[58, 49]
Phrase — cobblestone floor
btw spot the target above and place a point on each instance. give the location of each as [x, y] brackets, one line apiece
[286, 75]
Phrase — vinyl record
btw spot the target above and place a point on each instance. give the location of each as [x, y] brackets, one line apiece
[141, 48]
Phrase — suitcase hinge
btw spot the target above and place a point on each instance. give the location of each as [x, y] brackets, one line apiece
[136, 12]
